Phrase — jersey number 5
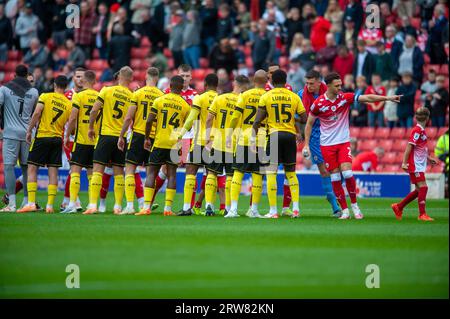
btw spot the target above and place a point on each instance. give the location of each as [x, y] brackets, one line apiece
[117, 108]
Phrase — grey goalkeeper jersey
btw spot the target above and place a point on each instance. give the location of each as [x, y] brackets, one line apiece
[17, 112]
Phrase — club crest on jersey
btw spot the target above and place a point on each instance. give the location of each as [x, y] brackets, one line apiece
[416, 136]
[333, 108]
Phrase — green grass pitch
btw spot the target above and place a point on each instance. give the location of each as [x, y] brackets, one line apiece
[212, 257]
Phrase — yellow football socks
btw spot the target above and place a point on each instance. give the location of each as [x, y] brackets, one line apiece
[51, 194]
[74, 186]
[272, 190]
[119, 186]
[170, 195]
[94, 188]
[32, 188]
[257, 183]
[295, 189]
[228, 192]
[130, 186]
[189, 185]
[148, 195]
[210, 189]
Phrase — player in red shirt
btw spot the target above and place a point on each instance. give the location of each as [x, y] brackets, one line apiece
[415, 163]
[78, 86]
[188, 93]
[375, 110]
[368, 161]
[332, 109]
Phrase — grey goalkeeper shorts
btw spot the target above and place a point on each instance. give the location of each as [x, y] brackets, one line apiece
[14, 150]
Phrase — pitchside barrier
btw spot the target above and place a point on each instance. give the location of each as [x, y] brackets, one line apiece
[368, 184]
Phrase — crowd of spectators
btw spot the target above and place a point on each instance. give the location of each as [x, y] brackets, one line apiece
[322, 34]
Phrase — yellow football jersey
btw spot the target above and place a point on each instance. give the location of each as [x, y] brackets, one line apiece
[202, 102]
[84, 101]
[281, 106]
[143, 99]
[246, 108]
[171, 111]
[116, 100]
[54, 116]
[223, 107]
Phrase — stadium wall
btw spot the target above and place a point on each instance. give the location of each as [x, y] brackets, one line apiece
[376, 185]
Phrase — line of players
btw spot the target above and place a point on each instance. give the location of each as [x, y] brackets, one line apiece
[243, 122]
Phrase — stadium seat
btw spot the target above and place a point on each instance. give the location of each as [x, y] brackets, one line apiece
[96, 65]
[399, 146]
[170, 63]
[368, 145]
[382, 132]
[436, 169]
[199, 74]
[388, 158]
[139, 75]
[249, 62]
[354, 131]
[167, 52]
[386, 144]
[204, 63]
[145, 42]
[397, 133]
[417, 96]
[431, 145]
[392, 168]
[14, 55]
[8, 77]
[408, 131]
[426, 58]
[428, 67]
[135, 85]
[62, 53]
[95, 54]
[11, 66]
[415, 23]
[139, 53]
[198, 85]
[367, 132]
[444, 69]
[98, 86]
[136, 64]
[98, 74]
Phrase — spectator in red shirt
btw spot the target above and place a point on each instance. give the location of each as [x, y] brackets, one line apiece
[375, 109]
[319, 29]
[367, 161]
[371, 37]
[343, 63]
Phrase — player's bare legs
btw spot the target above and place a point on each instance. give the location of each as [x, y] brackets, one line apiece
[421, 193]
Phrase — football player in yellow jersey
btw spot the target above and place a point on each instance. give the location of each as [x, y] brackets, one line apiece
[220, 114]
[114, 102]
[51, 114]
[82, 150]
[137, 115]
[198, 155]
[281, 106]
[246, 160]
[170, 112]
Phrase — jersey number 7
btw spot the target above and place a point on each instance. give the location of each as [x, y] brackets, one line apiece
[59, 112]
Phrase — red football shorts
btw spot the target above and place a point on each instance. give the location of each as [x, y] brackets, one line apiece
[417, 177]
[335, 155]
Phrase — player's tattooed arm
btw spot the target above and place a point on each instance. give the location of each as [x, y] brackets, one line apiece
[308, 128]
[408, 151]
[92, 118]
[34, 120]
[70, 125]
[148, 128]
[129, 118]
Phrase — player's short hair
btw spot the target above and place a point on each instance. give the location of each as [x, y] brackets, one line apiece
[176, 83]
[61, 82]
[153, 72]
[211, 80]
[312, 74]
[21, 71]
[242, 80]
[80, 69]
[330, 77]
[89, 76]
[432, 71]
[126, 72]
[422, 114]
[279, 77]
[185, 68]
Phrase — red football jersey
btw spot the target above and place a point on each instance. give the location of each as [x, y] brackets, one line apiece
[269, 86]
[188, 94]
[69, 94]
[380, 90]
[365, 161]
[334, 117]
[418, 157]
